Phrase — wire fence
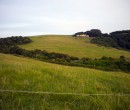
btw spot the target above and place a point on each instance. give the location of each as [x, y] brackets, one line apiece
[57, 93]
[38, 100]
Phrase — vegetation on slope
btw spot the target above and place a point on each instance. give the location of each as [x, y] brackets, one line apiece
[105, 41]
[18, 73]
[105, 63]
[14, 40]
[7, 43]
[118, 39]
[80, 47]
[122, 38]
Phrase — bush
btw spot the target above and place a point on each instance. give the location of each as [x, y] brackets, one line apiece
[105, 41]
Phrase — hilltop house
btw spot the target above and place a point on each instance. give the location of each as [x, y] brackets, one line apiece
[82, 35]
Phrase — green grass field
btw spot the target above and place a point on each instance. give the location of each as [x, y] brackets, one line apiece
[26, 74]
[80, 47]
[19, 73]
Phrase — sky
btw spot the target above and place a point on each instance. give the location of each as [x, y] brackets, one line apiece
[38, 17]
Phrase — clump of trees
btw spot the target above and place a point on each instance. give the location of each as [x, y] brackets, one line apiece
[14, 40]
[117, 39]
[7, 43]
[94, 33]
[105, 41]
[122, 38]
[105, 63]
[91, 33]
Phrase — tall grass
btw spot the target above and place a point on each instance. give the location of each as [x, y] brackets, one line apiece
[23, 101]
[17, 73]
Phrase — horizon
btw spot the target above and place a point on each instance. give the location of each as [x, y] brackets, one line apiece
[50, 34]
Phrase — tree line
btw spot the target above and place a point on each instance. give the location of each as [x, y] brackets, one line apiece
[117, 39]
[104, 63]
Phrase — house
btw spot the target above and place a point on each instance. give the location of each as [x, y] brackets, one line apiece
[82, 35]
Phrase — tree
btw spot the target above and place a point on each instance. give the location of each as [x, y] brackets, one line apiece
[94, 33]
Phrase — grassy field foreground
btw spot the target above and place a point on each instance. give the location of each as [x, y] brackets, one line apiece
[17, 73]
[80, 47]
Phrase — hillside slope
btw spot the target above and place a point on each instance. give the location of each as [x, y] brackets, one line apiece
[80, 47]
[17, 73]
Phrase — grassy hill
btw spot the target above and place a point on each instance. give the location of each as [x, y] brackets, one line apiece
[80, 47]
[66, 84]
[19, 73]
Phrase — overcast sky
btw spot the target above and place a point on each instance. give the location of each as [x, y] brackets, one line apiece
[34, 17]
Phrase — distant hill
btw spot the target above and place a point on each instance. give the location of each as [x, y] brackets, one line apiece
[81, 47]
